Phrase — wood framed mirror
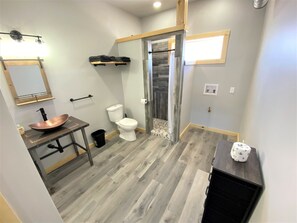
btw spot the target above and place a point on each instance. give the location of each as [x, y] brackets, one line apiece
[27, 81]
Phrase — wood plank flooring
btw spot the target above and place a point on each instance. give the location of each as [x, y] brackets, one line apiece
[148, 180]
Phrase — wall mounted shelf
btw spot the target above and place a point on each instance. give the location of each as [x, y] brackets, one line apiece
[99, 63]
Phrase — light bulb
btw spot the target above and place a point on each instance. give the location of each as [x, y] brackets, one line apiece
[157, 4]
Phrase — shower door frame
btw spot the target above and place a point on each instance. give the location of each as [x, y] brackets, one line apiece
[178, 81]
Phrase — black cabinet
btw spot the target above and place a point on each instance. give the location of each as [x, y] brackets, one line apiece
[234, 187]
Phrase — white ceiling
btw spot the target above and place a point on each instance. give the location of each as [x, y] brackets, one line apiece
[142, 8]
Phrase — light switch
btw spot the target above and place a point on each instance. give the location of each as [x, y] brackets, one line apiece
[232, 90]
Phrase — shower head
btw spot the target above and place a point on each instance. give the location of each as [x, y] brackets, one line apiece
[260, 3]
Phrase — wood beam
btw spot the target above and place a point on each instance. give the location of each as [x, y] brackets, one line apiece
[182, 12]
[150, 34]
[181, 24]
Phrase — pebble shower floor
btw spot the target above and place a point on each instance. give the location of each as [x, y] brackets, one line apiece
[160, 128]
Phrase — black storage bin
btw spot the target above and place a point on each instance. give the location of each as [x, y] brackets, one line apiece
[99, 137]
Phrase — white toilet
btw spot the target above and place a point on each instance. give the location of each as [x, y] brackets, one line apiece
[126, 126]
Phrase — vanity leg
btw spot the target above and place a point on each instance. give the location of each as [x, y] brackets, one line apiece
[74, 145]
[87, 146]
[41, 169]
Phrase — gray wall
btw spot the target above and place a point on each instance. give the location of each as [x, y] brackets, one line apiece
[132, 79]
[270, 121]
[72, 32]
[246, 25]
[20, 182]
[185, 115]
[158, 21]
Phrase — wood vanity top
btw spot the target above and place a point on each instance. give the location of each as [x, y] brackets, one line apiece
[34, 139]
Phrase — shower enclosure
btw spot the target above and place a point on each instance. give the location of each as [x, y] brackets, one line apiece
[163, 69]
[160, 84]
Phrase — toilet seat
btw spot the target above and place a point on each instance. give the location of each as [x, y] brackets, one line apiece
[127, 122]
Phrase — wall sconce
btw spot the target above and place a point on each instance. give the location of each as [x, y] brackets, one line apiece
[12, 45]
[17, 36]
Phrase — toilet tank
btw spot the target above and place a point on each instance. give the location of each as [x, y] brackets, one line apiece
[115, 112]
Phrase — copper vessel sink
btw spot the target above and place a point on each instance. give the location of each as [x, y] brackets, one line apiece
[51, 124]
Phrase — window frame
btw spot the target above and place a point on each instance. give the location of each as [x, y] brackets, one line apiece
[222, 60]
[225, 33]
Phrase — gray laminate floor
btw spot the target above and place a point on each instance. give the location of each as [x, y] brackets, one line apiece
[147, 180]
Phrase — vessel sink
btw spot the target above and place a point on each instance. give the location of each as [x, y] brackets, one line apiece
[50, 124]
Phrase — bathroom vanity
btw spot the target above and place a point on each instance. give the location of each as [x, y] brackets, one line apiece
[234, 188]
[34, 139]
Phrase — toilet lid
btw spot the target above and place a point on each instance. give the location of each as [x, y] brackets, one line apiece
[127, 122]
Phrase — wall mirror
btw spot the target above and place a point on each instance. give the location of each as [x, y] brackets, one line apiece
[27, 81]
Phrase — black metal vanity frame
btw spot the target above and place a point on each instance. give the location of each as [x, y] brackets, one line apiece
[34, 139]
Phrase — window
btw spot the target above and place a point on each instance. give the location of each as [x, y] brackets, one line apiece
[206, 48]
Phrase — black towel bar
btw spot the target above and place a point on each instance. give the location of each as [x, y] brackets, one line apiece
[77, 99]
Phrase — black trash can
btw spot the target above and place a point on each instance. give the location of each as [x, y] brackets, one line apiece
[99, 137]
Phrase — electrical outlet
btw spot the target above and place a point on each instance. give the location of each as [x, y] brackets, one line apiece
[232, 90]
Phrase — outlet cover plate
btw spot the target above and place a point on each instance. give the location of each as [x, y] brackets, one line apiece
[211, 89]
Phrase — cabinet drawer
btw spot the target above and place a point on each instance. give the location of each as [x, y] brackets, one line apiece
[212, 216]
[227, 207]
[231, 187]
[234, 187]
